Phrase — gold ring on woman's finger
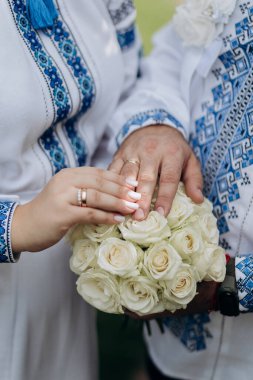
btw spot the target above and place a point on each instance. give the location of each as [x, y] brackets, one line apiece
[133, 161]
[82, 197]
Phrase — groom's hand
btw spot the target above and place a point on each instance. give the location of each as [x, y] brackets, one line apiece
[158, 154]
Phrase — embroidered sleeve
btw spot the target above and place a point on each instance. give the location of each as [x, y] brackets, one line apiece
[244, 280]
[123, 15]
[156, 96]
[152, 117]
[7, 209]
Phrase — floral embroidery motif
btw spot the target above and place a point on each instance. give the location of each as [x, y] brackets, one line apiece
[60, 95]
[70, 52]
[50, 141]
[143, 119]
[72, 56]
[6, 212]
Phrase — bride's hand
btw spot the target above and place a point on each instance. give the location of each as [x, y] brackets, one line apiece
[163, 156]
[43, 221]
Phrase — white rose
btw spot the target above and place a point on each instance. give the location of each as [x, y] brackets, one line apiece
[182, 289]
[100, 232]
[194, 28]
[199, 22]
[201, 263]
[100, 289]
[225, 7]
[118, 257]
[151, 230]
[204, 207]
[208, 226]
[182, 208]
[162, 261]
[187, 241]
[75, 233]
[140, 295]
[217, 269]
[84, 255]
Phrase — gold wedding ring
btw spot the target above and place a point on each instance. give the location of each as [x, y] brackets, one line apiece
[82, 197]
[133, 161]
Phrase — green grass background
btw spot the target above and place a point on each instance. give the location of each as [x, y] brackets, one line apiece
[151, 15]
[121, 348]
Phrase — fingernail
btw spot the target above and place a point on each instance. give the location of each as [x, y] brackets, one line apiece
[133, 206]
[200, 193]
[160, 210]
[132, 182]
[134, 195]
[119, 218]
[139, 214]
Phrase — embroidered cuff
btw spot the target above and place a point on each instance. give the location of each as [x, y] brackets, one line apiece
[244, 279]
[126, 37]
[144, 119]
[6, 213]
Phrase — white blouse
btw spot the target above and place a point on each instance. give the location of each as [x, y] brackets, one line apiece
[61, 90]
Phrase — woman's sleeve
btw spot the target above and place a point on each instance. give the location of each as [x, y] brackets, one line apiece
[244, 282]
[7, 207]
[152, 93]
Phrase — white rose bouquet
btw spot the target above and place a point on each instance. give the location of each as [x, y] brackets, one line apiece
[150, 266]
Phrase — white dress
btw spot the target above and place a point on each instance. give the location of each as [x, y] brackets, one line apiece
[212, 90]
[60, 91]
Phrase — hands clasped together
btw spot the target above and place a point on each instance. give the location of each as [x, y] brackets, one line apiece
[151, 155]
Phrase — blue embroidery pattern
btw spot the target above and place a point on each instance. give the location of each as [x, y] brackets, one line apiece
[126, 37]
[152, 117]
[65, 43]
[118, 15]
[70, 52]
[78, 145]
[190, 330]
[44, 61]
[223, 140]
[49, 141]
[244, 278]
[6, 212]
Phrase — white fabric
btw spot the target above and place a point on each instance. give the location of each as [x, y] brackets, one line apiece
[47, 331]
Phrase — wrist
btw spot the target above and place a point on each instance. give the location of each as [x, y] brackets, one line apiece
[19, 228]
[7, 209]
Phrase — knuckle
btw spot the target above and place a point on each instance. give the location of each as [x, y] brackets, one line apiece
[121, 192]
[91, 215]
[99, 182]
[98, 172]
[95, 197]
[170, 177]
[150, 145]
[147, 176]
[165, 199]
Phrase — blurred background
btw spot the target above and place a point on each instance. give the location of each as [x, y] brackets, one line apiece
[121, 347]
